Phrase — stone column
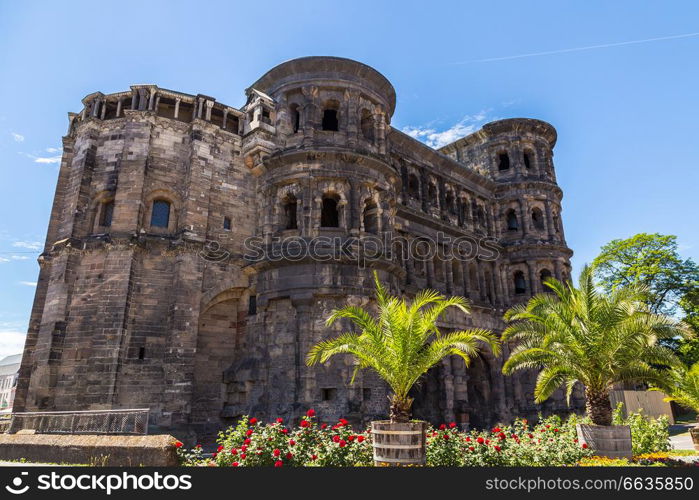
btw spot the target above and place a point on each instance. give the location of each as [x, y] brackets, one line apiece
[549, 222]
[209, 106]
[177, 107]
[225, 118]
[118, 110]
[524, 212]
[533, 279]
[104, 109]
[151, 99]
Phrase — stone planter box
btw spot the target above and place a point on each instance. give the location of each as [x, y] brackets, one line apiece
[694, 432]
[613, 441]
[398, 443]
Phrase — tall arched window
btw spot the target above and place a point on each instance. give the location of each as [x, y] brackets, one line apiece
[367, 125]
[538, 219]
[295, 116]
[370, 217]
[450, 202]
[330, 120]
[480, 215]
[457, 275]
[512, 223]
[106, 213]
[432, 194]
[290, 219]
[160, 215]
[503, 161]
[413, 186]
[520, 283]
[329, 216]
[543, 276]
[527, 160]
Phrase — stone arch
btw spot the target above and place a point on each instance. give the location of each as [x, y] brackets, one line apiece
[102, 211]
[480, 391]
[161, 195]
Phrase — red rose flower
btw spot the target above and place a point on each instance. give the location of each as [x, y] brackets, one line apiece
[219, 449]
[584, 446]
[471, 448]
[253, 421]
[446, 436]
[442, 427]
[497, 448]
[276, 452]
[496, 430]
[289, 455]
[243, 448]
[575, 440]
[292, 442]
[234, 451]
[278, 463]
[452, 425]
[530, 435]
[234, 464]
[213, 455]
[336, 438]
[323, 426]
[247, 441]
[197, 446]
[360, 439]
[547, 426]
[313, 457]
[468, 439]
[311, 413]
[242, 456]
[342, 421]
[280, 420]
[249, 432]
[304, 423]
[178, 444]
[342, 443]
[350, 438]
[285, 431]
[487, 441]
[480, 440]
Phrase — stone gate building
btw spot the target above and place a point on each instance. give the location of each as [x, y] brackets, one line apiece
[149, 294]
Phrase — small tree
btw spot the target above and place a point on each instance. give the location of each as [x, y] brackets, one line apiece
[402, 341]
[582, 335]
[683, 387]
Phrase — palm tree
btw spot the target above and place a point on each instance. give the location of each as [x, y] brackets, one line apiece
[683, 386]
[580, 335]
[402, 341]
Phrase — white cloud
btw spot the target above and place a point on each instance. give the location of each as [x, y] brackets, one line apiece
[48, 159]
[28, 283]
[54, 150]
[436, 138]
[11, 342]
[3, 259]
[29, 245]
[13, 257]
[17, 137]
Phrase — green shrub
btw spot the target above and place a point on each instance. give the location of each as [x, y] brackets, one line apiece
[648, 435]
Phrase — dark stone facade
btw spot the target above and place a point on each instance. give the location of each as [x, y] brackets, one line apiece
[149, 295]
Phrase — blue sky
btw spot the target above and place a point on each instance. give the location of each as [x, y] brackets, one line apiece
[626, 114]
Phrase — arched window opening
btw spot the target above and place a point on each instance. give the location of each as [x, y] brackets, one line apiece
[480, 213]
[456, 273]
[488, 287]
[464, 211]
[543, 276]
[160, 215]
[512, 223]
[295, 116]
[450, 202]
[413, 186]
[527, 160]
[370, 217]
[329, 216]
[503, 161]
[520, 284]
[432, 194]
[106, 213]
[289, 206]
[227, 223]
[330, 120]
[556, 225]
[367, 125]
[538, 219]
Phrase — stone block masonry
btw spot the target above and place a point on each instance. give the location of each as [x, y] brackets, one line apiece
[146, 297]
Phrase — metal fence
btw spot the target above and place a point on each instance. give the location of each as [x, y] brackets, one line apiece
[131, 421]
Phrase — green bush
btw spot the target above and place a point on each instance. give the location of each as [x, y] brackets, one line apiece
[648, 435]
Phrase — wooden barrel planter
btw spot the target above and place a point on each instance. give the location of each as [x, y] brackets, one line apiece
[694, 432]
[398, 443]
[613, 441]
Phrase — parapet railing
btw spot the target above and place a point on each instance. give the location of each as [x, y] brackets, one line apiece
[128, 421]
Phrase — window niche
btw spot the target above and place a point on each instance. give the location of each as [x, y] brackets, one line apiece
[160, 214]
[543, 276]
[370, 217]
[367, 125]
[289, 209]
[512, 222]
[538, 219]
[503, 161]
[413, 187]
[520, 283]
[330, 213]
[295, 117]
[330, 117]
[527, 156]
[106, 212]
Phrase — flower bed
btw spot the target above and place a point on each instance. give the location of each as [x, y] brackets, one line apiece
[552, 442]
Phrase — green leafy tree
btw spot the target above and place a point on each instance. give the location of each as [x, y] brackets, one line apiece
[652, 262]
[684, 386]
[402, 341]
[582, 335]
